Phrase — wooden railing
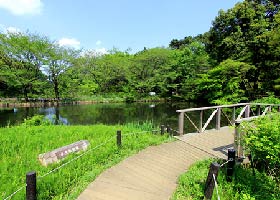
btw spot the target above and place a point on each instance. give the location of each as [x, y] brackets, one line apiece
[217, 111]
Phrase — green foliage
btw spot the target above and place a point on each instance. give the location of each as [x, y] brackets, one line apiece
[21, 145]
[20, 60]
[262, 137]
[37, 120]
[226, 83]
[129, 99]
[271, 99]
[189, 63]
[150, 70]
[236, 60]
[245, 185]
[248, 32]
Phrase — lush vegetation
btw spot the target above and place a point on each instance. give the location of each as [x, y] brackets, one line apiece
[246, 184]
[256, 181]
[236, 60]
[21, 145]
[262, 139]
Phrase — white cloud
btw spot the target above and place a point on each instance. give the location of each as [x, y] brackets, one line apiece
[12, 30]
[101, 51]
[95, 52]
[98, 43]
[22, 7]
[69, 42]
[9, 29]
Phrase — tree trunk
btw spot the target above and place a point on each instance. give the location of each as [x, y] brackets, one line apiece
[56, 90]
[25, 93]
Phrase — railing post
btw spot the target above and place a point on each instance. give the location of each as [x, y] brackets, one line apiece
[218, 119]
[181, 123]
[237, 142]
[231, 163]
[200, 121]
[168, 129]
[210, 184]
[31, 191]
[233, 115]
[236, 137]
[247, 111]
[258, 110]
[162, 127]
[119, 138]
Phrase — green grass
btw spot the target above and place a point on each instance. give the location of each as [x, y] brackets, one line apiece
[245, 186]
[118, 97]
[21, 145]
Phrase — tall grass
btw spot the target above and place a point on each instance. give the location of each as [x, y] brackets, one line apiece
[245, 185]
[21, 145]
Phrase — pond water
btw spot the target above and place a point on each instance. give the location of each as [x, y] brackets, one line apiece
[109, 114]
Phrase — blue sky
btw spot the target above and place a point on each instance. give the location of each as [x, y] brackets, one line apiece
[103, 24]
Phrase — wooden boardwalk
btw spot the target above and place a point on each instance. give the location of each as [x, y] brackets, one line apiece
[152, 173]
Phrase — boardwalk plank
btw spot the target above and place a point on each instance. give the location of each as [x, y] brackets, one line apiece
[152, 173]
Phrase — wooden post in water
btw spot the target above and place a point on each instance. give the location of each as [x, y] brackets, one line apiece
[181, 123]
[210, 182]
[218, 119]
[200, 121]
[119, 138]
[31, 191]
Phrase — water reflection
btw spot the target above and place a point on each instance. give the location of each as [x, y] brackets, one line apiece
[53, 115]
[117, 113]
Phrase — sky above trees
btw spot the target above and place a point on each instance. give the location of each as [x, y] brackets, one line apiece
[103, 25]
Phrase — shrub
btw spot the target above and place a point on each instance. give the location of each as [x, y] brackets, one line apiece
[37, 120]
[271, 99]
[262, 137]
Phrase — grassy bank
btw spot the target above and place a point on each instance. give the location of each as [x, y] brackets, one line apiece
[245, 185]
[21, 145]
[11, 103]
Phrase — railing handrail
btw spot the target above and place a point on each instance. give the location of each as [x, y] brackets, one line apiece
[247, 119]
[225, 106]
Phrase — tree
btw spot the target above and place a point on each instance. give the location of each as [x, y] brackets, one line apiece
[56, 61]
[226, 83]
[149, 71]
[188, 63]
[21, 60]
[241, 33]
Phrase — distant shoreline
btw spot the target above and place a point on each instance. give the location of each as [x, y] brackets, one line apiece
[57, 103]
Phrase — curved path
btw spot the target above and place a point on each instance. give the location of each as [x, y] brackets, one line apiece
[152, 173]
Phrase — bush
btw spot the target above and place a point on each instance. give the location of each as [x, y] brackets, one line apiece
[129, 99]
[37, 120]
[246, 184]
[262, 137]
[271, 99]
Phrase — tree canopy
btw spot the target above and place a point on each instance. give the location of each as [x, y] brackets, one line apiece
[236, 60]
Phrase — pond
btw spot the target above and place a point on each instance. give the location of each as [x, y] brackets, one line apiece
[109, 114]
